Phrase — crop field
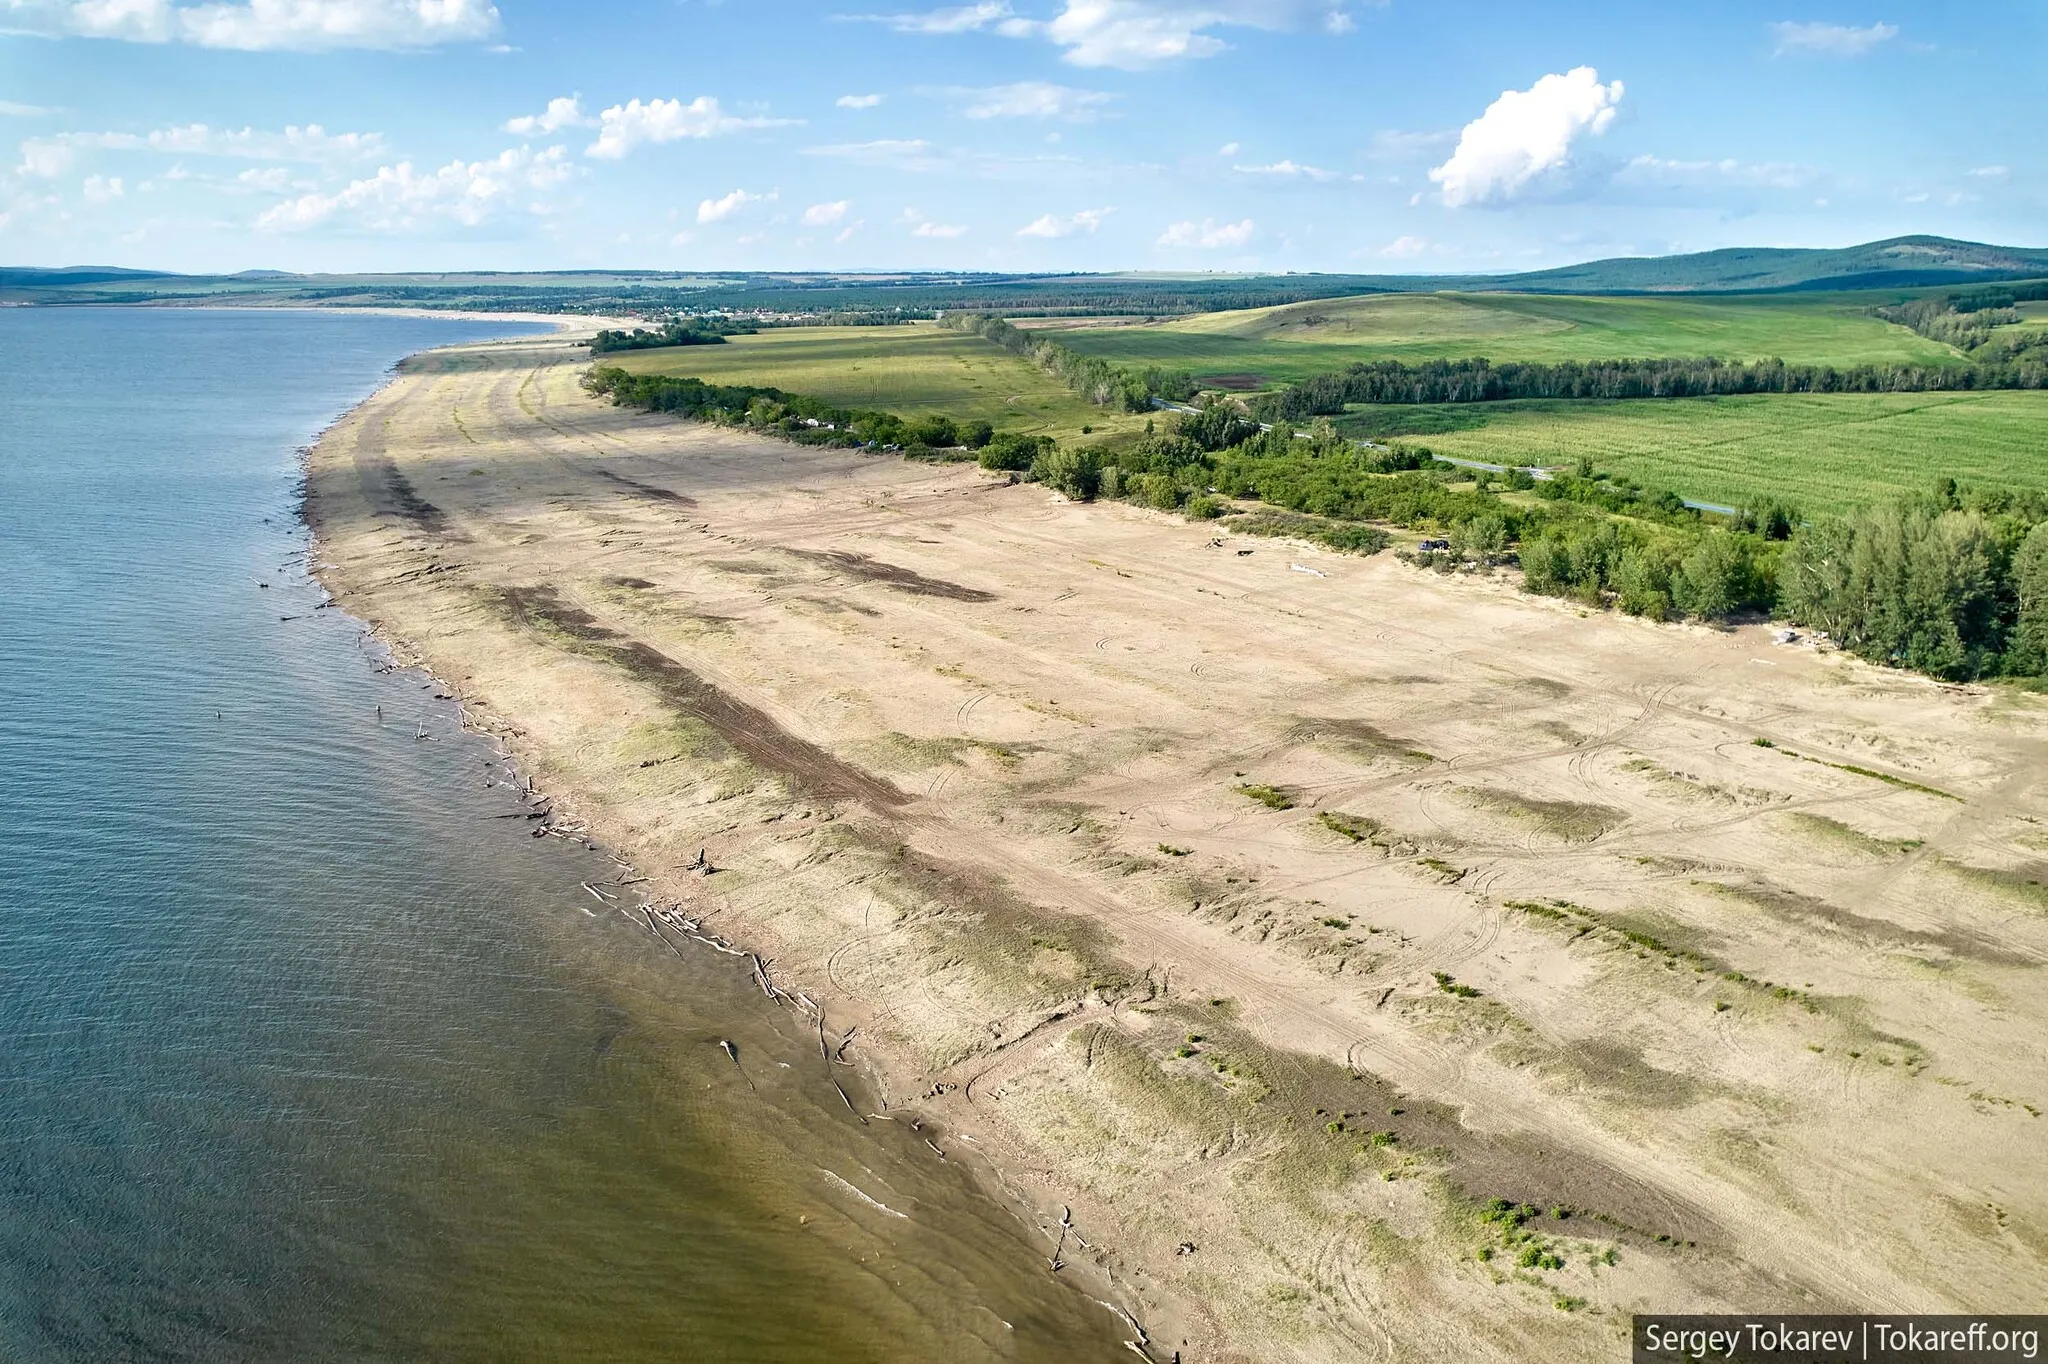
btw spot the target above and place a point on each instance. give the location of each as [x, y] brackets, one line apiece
[908, 370]
[1829, 452]
[1279, 345]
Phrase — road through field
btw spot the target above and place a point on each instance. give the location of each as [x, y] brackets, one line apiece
[1721, 958]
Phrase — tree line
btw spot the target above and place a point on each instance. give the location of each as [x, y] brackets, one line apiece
[1095, 379]
[1968, 318]
[1482, 381]
[1952, 582]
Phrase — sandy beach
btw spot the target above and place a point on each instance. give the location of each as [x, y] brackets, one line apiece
[1378, 964]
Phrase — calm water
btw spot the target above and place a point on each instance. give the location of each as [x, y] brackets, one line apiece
[303, 1056]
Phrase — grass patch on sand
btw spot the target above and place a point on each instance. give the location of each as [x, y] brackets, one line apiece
[1571, 820]
[1821, 829]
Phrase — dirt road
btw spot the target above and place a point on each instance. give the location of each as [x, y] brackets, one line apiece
[1273, 908]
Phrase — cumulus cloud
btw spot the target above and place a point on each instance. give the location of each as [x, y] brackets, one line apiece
[1227, 149]
[1526, 136]
[401, 198]
[1032, 99]
[12, 110]
[100, 189]
[1288, 170]
[718, 210]
[1404, 248]
[824, 215]
[858, 101]
[45, 160]
[1990, 172]
[1128, 34]
[941, 231]
[1207, 234]
[1052, 225]
[260, 25]
[1831, 40]
[623, 127]
[565, 111]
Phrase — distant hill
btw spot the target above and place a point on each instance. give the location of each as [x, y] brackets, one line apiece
[1898, 263]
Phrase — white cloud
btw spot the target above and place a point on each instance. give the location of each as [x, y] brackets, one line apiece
[952, 19]
[1208, 234]
[1227, 149]
[1051, 225]
[260, 25]
[1526, 135]
[399, 198]
[858, 101]
[311, 143]
[1288, 170]
[99, 189]
[1831, 40]
[718, 210]
[44, 159]
[1404, 248]
[1390, 144]
[12, 110]
[1133, 34]
[888, 153]
[1757, 175]
[851, 228]
[269, 179]
[1991, 172]
[824, 215]
[1033, 99]
[1129, 34]
[941, 231]
[565, 111]
[626, 126]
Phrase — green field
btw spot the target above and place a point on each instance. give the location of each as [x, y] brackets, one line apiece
[909, 370]
[1284, 344]
[1825, 453]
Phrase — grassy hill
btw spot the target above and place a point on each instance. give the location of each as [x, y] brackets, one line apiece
[1275, 345]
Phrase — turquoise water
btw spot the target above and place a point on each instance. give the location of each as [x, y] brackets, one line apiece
[304, 1055]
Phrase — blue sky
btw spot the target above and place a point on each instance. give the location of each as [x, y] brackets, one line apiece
[1337, 135]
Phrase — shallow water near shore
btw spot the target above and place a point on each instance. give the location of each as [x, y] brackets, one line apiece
[305, 1053]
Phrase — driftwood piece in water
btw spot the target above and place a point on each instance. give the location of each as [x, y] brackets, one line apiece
[734, 1052]
[659, 934]
[849, 1104]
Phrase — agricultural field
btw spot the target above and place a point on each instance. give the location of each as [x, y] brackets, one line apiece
[909, 370]
[1266, 346]
[1824, 452]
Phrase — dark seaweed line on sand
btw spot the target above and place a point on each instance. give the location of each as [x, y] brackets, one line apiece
[890, 575]
[750, 731]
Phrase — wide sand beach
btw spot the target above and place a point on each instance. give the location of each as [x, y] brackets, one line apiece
[1376, 965]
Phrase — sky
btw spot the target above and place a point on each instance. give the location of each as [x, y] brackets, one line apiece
[1407, 136]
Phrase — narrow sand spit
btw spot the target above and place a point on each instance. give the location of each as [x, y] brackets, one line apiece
[1728, 952]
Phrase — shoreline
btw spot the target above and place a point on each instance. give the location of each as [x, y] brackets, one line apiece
[1027, 1194]
[932, 729]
